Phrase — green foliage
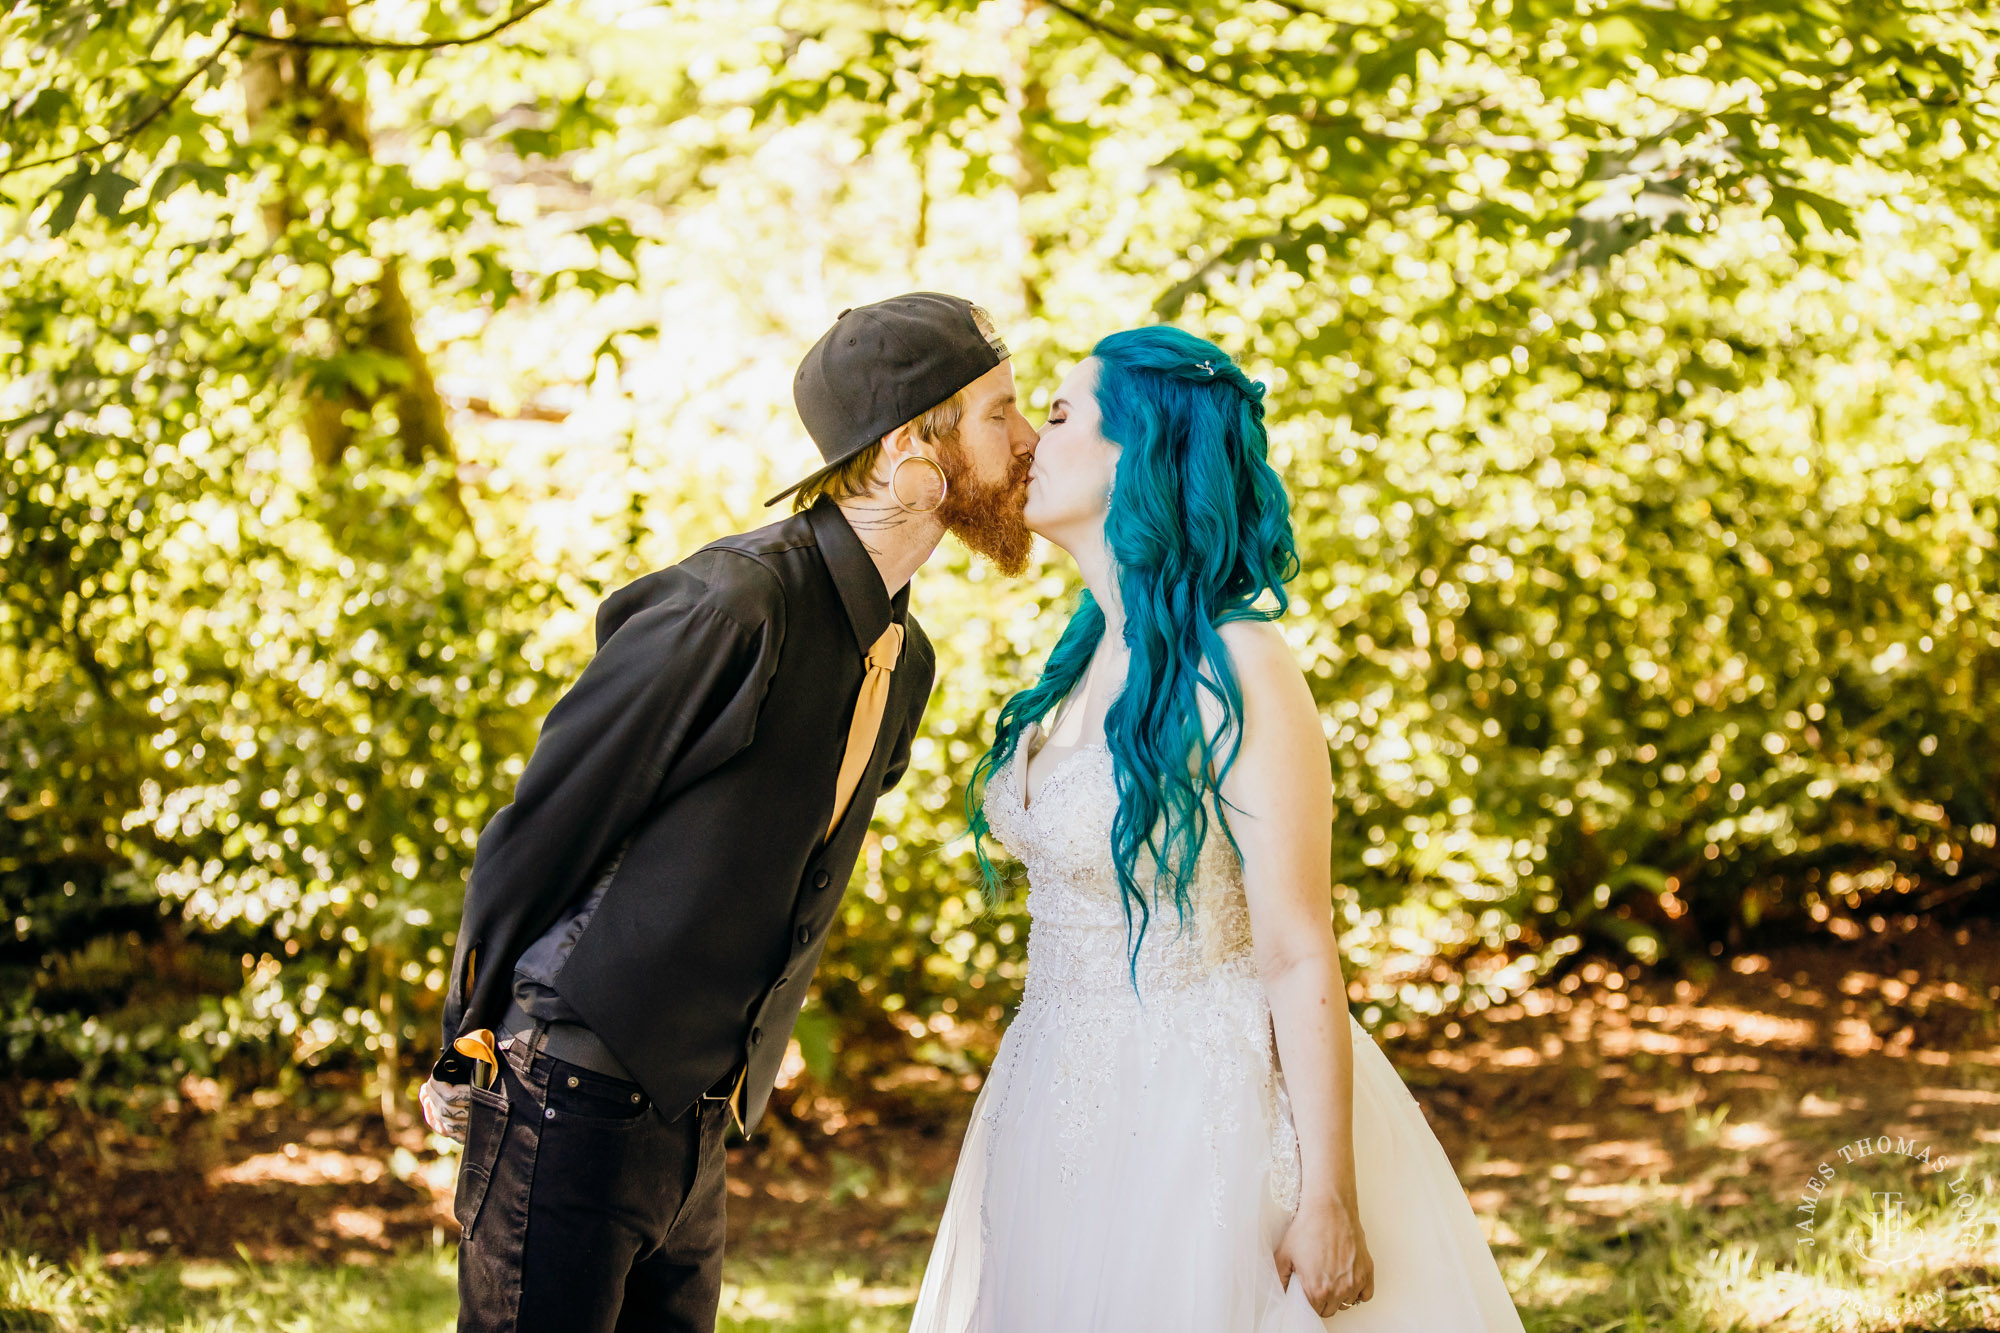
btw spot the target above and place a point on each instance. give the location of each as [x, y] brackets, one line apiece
[1630, 367]
[258, 711]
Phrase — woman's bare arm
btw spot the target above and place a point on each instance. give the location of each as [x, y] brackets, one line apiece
[1280, 794]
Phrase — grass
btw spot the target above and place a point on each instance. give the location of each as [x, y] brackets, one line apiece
[414, 1293]
[816, 1295]
[1672, 1268]
[1664, 1266]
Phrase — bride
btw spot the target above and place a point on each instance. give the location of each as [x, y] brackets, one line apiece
[1184, 1129]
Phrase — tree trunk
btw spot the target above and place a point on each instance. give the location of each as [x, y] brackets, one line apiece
[1027, 102]
[281, 93]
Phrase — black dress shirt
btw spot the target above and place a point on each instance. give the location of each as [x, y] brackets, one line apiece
[535, 992]
[704, 738]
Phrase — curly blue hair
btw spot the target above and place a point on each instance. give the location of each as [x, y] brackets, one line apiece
[1200, 527]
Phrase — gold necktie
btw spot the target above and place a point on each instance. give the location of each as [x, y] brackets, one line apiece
[868, 710]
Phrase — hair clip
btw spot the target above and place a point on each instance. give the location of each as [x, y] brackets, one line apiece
[1208, 367]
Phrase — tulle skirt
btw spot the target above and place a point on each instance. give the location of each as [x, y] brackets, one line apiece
[1137, 1176]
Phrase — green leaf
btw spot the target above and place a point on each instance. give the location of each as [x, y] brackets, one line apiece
[363, 369]
[1787, 201]
[610, 345]
[68, 194]
[109, 189]
[208, 179]
[613, 234]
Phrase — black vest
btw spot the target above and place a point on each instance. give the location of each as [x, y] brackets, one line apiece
[712, 737]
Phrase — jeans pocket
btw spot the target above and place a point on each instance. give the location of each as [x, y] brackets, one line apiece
[576, 1093]
[486, 1127]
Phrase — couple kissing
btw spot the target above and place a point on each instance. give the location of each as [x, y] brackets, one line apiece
[1183, 1129]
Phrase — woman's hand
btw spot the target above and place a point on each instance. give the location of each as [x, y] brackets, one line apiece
[1324, 1248]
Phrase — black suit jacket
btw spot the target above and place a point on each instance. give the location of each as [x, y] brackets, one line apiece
[710, 727]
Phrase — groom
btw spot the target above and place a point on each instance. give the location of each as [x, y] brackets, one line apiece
[642, 922]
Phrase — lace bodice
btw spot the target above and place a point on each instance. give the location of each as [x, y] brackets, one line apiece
[1064, 840]
[1197, 981]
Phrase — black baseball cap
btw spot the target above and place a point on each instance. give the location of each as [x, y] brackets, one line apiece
[885, 364]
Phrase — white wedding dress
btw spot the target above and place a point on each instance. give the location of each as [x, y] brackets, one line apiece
[1131, 1163]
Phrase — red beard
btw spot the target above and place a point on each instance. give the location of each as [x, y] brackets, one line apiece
[987, 515]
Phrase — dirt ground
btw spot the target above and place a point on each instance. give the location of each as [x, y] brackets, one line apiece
[1591, 1097]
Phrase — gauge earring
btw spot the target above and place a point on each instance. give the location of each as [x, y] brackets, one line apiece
[944, 483]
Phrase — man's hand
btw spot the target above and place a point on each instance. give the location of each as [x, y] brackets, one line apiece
[445, 1106]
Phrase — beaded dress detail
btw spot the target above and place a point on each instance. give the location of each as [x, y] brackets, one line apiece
[1131, 1162]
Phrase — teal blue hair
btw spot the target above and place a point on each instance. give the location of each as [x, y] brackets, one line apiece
[1200, 528]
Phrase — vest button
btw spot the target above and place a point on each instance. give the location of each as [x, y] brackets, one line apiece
[805, 934]
[820, 880]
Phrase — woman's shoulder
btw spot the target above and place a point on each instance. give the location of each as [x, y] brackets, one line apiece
[1272, 681]
[1259, 648]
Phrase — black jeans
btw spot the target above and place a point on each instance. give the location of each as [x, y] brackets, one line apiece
[582, 1207]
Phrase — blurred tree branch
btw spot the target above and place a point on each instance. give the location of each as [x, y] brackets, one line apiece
[360, 43]
[300, 41]
[159, 109]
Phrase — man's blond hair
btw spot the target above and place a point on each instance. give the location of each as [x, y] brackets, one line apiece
[935, 426]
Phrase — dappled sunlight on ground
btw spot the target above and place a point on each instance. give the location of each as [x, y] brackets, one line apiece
[1637, 1149]
[1754, 1074]
[291, 1166]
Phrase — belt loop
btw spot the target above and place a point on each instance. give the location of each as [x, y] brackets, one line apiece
[528, 1044]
